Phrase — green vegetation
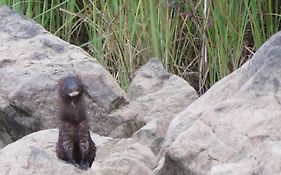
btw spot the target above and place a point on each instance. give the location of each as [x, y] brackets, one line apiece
[123, 34]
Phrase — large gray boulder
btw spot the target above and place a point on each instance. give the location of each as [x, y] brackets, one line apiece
[155, 96]
[31, 62]
[234, 128]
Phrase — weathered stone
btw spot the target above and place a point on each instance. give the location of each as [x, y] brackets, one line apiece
[154, 95]
[229, 127]
[151, 106]
[31, 62]
[35, 154]
[265, 159]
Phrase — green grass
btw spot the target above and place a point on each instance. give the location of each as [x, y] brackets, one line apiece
[124, 34]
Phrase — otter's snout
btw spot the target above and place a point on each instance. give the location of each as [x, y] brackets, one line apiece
[74, 93]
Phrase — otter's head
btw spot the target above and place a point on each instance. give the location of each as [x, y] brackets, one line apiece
[71, 87]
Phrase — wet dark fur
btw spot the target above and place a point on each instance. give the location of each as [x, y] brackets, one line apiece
[74, 142]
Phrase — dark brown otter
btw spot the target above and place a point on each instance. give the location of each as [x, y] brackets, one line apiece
[74, 142]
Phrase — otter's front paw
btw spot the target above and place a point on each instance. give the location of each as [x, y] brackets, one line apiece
[84, 165]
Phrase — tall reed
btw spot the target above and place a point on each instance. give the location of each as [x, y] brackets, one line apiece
[123, 34]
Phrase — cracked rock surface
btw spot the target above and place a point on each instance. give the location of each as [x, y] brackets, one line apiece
[235, 127]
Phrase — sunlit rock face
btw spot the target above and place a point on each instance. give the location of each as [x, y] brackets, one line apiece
[235, 127]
